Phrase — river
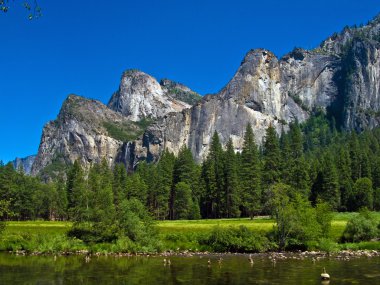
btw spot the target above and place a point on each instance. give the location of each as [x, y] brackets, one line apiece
[232, 269]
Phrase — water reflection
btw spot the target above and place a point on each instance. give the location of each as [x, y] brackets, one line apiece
[183, 270]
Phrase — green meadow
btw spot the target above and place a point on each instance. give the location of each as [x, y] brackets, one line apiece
[50, 236]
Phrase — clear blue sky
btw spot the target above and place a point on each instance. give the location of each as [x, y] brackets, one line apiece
[82, 47]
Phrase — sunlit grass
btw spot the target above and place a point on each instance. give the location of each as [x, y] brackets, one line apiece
[260, 224]
[180, 234]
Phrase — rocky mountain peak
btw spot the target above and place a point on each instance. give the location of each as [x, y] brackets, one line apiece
[256, 83]
[141, 96]
[85, 130]
[339, 43]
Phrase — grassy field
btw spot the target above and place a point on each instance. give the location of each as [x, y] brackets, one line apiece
[181, 234]
[261, 224]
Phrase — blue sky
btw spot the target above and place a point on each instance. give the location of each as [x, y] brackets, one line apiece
[82, 47]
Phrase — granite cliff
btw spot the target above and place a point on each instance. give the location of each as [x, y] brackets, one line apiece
[341, 77]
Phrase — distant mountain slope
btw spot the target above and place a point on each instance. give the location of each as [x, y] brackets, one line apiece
[25, 163]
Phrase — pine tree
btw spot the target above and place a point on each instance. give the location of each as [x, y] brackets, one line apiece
[250, 175]
[62, 202]
[119, 184]
[362, 194]
[231, 183]
[213, 176]
[78, 194]
[329, 191]
[344, 172]
[183, 202]
[272, 157]
[165, 168]
[355, 157]
[299, 168]
[104, 206]
[285, 166]
[184, 171]
[136, 188]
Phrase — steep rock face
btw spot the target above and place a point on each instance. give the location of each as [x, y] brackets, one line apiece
[194, 127]
[141, 96]
[86, 130]
[26, 163]
[309, 78]
[361, 108]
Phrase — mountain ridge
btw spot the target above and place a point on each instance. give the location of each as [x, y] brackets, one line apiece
[340, 77]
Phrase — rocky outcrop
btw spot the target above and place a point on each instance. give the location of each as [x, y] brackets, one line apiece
[25, 163]
[179, 92]
[141, 96]
[85, 130]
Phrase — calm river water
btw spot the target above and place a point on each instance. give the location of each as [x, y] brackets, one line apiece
[234, 269]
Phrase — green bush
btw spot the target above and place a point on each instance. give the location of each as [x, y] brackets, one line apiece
[327, 245]
[2, 227]
[93, 232]
[362, 227]
[235, 240]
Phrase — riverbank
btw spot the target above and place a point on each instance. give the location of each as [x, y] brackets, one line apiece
[177, 237]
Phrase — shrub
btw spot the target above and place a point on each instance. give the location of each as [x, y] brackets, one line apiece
[235, 240]
[362, 227]
[93, 232]
[327, 245]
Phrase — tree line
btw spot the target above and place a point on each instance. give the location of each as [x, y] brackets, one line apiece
[312, 159]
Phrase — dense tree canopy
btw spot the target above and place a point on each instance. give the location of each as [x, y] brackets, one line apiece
[313, 159]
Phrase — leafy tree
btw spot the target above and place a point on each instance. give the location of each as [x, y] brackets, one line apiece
[183, 202]
[362, 195]
[362, 227]
[376, 199]
[4, 214]
[278, 203]
[324, 217]
[296, 219]
[136, 224]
